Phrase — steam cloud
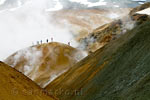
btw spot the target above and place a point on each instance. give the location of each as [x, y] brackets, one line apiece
[32, 23]
[29, 62]
[32, 55]
[20, 27]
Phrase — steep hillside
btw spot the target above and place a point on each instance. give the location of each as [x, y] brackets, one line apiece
[43, 63]
[118, 71]
[15, 86]
[111, 31]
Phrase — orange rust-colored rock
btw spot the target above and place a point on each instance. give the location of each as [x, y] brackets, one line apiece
[15, 86]
[43, 63]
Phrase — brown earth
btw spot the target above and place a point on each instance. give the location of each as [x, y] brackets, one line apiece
[117, 71]
[43, 63]
[83, 21]
[15, 86]
[108, 32]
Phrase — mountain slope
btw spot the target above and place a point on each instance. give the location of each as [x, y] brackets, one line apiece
[118, 71]
[43, 63]
[111, 31]
[15, 86]
[83, 21]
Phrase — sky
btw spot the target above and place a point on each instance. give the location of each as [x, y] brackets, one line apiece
[24, 22]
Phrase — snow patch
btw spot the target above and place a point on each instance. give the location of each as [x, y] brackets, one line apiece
[90, 4]
[145, 11]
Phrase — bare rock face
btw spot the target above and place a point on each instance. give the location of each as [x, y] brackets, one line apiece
[139, 18]
[104, 34]
[43, 63]
[16, 86]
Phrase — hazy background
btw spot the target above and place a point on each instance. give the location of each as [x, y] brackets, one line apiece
[23, 22]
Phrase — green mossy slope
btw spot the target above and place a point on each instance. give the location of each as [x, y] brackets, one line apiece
[118, 71]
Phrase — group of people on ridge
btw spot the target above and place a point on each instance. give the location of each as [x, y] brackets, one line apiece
[47, 41]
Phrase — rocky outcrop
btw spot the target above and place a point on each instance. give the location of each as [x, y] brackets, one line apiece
[104, 34]
[139, 18]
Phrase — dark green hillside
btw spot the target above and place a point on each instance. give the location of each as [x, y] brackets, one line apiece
[118, 71]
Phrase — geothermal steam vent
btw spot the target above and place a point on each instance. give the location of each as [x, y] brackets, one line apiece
[43, 63]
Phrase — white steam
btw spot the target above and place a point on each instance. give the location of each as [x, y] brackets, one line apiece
[30, 23]
[113, 15]
[37, 65]
[2, 2]
[123, 22]
[32, 57]
[53, 77]
[127, 24]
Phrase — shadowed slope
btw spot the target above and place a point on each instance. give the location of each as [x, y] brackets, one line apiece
[15, 86]
[118, 71]
[43, 63]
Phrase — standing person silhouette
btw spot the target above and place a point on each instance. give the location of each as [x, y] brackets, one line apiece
[47, 40]
[69, 43]
[51, 39]
[41, 41]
